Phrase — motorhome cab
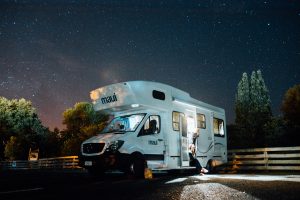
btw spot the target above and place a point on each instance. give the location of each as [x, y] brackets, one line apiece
[153, 126]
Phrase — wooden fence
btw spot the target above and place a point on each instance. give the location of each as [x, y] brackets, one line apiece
[268, 159]
[68, 162]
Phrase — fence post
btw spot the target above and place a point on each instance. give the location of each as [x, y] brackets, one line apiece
[266, 159]
[73, 162]
[234, 166]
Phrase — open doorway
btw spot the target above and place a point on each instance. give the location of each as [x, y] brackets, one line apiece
[190, 129]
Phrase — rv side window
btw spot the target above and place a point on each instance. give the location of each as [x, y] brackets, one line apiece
[219, 127]
[151, 126]
[175, 119]
[158, 95]
[201, 122]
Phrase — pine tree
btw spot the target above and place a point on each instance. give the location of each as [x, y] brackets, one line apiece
[264, 97]
[260, 98]
[242, 99]
[254, 93]
[253, 110]
[242, 110]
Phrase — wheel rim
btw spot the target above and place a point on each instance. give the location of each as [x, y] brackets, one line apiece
[131, 168]
[136, 168]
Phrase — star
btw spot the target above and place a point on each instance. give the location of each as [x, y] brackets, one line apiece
[55, 55]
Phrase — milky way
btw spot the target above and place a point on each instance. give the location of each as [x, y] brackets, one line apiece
[54, 53]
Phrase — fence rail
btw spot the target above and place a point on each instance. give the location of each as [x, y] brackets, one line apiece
[68, 162]
[277, 158]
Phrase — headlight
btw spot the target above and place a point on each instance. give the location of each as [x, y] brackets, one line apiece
[115, 146]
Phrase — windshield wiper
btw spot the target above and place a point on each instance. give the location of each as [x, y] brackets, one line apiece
[119, 132]
[115, 131]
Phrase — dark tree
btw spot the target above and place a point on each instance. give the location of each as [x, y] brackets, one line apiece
[242, 101]
[291, 105]
[81, 122]
[20, 128]
[291, 115]
[50, 144]
[253, 111]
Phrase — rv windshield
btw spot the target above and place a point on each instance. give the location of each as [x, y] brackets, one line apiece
[124, 124]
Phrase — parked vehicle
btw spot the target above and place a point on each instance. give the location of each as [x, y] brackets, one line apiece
[152, 126]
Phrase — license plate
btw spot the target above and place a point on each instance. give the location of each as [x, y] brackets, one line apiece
[88, 163]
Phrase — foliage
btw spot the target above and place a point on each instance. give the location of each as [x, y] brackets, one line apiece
[255, 126]
[71, 146]
[275, 132]
[242, 100]
[14, 149]
[50, 144]
[291, 114]
[21, 129]
[81, 122]
[253, 111]
[10, 148]
[18, 119]
[291, 105]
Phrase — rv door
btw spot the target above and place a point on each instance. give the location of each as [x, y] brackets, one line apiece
[205, 141]
[184, 141]
[219, 135]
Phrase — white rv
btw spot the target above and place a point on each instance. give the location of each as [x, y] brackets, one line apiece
[152, 127]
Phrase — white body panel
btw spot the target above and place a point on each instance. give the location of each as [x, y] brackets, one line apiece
[167, 149]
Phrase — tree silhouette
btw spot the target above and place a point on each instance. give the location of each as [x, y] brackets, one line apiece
[82, 122]
[291, 114]
[19, 125]
[253, 110]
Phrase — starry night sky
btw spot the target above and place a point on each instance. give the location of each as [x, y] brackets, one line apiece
[54, 53]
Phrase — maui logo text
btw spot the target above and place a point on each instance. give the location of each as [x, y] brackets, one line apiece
[109, 99]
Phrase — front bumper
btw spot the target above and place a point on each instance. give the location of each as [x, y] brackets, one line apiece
[105, 161]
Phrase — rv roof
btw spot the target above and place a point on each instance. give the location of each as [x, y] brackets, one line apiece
[152, 84]
[137, 91]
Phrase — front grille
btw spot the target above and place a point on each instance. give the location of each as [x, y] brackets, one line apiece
[90, 148]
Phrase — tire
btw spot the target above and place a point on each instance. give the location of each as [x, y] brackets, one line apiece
[211, 167]
[137, 167]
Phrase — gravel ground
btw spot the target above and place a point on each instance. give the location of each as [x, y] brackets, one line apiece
[53, 185]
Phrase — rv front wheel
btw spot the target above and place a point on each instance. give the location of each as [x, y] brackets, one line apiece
[137, 167]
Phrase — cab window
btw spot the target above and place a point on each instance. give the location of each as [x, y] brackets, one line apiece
[151, 126]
